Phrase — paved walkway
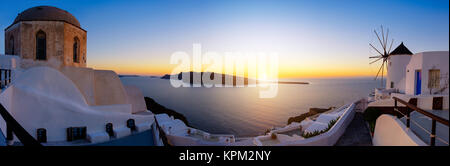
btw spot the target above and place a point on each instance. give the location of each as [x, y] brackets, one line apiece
[356, 134]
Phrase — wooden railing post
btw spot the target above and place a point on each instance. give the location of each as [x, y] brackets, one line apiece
[395, 103]
[9, 134]
[413, 107]
[12, 126]
[1, 80]
[4, 78]
[408, 117]
[433, 133]
[9, 76]
[162, 134]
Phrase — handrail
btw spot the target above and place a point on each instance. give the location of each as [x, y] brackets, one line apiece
[426, 113]
[162, 134]
[434, 118]
[7, 80]
[12, 126]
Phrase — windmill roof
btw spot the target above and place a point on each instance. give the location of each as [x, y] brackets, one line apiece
[401, 50]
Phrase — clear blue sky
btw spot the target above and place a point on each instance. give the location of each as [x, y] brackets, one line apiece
[139, 36]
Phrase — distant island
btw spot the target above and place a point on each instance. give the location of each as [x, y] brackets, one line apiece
[224, 77]
[128, 76]
[124, 75]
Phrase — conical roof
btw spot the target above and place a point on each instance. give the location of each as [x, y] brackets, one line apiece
[401, 50]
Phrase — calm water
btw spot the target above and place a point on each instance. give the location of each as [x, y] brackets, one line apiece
[240, 111]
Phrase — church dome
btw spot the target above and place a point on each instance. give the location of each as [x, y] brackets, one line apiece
[47, 13]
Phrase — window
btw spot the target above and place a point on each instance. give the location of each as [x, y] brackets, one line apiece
[76, 50]
[11, 45]
[392, 84]
[41, 46]
[434, 78]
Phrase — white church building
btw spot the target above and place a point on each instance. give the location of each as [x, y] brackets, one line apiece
[47, 88]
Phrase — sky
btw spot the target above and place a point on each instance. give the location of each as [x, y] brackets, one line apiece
[320, 38]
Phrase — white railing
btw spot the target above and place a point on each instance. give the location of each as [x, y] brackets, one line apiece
[8, 64]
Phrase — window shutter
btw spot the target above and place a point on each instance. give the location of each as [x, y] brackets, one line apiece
[433, 78]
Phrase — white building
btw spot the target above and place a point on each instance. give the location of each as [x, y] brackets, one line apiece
[427, 73]
[426, 78]
[397, 61]
[48, 89]
[421, 79]
[419, 75]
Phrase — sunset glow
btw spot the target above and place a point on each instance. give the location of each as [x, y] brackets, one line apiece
[313, 39]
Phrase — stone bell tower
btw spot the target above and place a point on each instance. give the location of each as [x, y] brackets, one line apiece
[46, 36]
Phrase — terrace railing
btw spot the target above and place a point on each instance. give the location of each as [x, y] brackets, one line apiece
[5, 77]
[13, 127]
[410, 108]
[162, 134]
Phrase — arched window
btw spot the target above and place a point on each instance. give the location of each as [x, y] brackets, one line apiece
[11, 45]
[76, 50]
[41, 46]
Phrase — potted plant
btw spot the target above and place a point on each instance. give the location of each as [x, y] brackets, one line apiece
[273, 136]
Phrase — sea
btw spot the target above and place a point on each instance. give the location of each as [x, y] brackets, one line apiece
[241, 111]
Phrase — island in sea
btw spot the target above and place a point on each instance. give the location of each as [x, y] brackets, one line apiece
[225, 77]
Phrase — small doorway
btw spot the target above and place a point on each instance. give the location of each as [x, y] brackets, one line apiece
[418, 82]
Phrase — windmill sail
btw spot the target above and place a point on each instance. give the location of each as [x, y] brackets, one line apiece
[384, 53]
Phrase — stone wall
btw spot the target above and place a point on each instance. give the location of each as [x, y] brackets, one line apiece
[59, 37]
[54, 38]
[70, 32]
[13, 31]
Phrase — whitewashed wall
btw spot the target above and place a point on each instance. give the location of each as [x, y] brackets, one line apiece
[397, 71]
[331, 136]
[423, 101]
[389, 131]
[425, 61]
[43, 97]
[9, 61]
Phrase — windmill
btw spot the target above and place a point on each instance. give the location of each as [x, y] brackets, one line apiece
[384, 53]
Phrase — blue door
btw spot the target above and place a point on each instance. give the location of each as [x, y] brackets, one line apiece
[418, 82]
